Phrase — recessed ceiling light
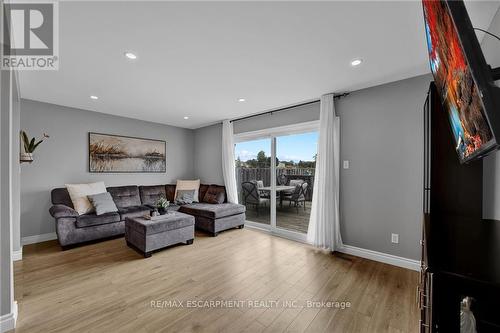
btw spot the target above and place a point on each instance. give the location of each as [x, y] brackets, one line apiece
[241, 99]
[130, 55]
[94, 97]
[356, 62]
[186, 117]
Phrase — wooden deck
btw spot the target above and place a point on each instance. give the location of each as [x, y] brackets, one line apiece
[286, 217]
[108, 287]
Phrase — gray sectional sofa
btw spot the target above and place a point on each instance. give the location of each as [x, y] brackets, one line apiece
[135, 201]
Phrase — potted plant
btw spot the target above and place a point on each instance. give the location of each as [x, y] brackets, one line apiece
[162, 205]
[29, 146]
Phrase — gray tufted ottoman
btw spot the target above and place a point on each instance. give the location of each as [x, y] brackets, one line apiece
[147, 236]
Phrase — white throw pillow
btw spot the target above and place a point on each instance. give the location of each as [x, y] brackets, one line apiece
[188, 185]
[78, 194]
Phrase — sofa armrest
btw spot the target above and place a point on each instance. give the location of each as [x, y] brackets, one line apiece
[58, 211]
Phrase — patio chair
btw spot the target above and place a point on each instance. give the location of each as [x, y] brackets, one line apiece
[281, 179]
[295, 182]
[260, 184]
[252, 196]
[298, 196]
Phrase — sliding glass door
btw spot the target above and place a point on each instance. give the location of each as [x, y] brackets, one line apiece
[253, 178]
[275, 177]
[296, 163]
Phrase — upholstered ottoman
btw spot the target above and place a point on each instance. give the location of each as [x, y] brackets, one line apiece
[147, 236]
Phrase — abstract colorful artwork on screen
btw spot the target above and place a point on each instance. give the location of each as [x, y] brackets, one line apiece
[454, 80]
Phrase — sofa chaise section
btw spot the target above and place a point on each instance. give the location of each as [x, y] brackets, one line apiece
[214, 218]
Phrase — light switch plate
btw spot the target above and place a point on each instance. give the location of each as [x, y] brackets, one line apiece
[346, 164]
[395, 238]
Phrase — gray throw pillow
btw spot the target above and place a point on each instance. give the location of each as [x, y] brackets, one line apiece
[185, 197]
[103, 203]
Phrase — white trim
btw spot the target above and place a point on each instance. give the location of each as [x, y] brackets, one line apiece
[8, 321]
[309, 126]
[291, 235]
[272, 195]
[17, 255]
[38, 238]
[257, 226]
[381, 257]
[15, 312]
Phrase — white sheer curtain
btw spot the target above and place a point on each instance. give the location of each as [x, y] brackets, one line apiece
[228, 166]
[324, 226]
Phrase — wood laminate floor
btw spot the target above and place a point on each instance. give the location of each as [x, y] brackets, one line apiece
[107, 287]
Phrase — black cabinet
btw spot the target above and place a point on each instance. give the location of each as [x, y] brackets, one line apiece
[460, 250]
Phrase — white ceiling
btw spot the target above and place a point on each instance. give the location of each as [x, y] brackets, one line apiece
[197, 59]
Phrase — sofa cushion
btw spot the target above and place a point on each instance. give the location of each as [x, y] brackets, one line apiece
[79, 192]
[103, 203]
[125, 196]
[212, 211]
[215, 195]
[60, 196]
[170, 190]
[188, 185]
[184, 197]
[150, 194]
[203, 191]
[168, 222]
[173, 208]
[133, 211]
[90, 220]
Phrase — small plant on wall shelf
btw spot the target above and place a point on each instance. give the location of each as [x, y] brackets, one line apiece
[29, 146]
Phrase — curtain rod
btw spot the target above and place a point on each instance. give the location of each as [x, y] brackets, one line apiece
[287, 108]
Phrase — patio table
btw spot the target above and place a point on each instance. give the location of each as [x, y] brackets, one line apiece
[281, 189]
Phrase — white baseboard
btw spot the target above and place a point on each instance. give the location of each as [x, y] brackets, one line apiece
[38, 238]
[8, 321]
[17, 255]
[381, 257]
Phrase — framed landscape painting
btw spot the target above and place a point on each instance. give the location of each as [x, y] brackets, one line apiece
[116, 153]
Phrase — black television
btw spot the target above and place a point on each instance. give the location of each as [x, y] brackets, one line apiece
[464, 81]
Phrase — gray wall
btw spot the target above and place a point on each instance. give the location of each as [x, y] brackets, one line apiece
[208, 154]
[381, 192]
[64, 157]
[491, 164]
[291, 116]
[381, 135]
